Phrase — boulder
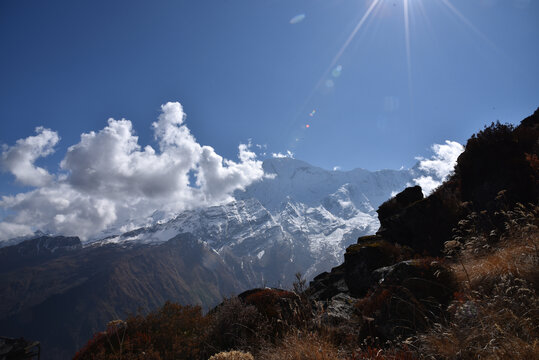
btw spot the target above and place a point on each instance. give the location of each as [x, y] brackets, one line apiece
[424, 225]
[410, 295]
[339, 310]
[400, 202]
[328, 284]
[274, 304]
[361, 259]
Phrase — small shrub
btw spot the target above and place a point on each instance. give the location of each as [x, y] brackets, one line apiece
[232, 355]
[236, 325]
[172, 331]
[282, 309]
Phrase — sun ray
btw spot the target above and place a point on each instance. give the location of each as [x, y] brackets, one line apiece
[407, 40]
[425, 17]
[353, 34]
[345, 45]
[467, 22]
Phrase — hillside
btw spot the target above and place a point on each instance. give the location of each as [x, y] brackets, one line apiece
[450, 276]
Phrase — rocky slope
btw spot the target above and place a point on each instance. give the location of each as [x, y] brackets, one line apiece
[392, 277]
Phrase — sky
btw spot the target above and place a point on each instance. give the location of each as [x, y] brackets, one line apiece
[132, 98]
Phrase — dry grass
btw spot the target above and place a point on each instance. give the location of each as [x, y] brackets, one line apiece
[496, 313]
[516, 252]
[501, 326]
[301, 346]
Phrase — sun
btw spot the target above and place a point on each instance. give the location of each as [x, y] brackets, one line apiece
[410, 8]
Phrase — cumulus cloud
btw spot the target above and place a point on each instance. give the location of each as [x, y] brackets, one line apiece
[19, 159]
[439, 166]
[219, 177]
[109, 181]
[288, 154]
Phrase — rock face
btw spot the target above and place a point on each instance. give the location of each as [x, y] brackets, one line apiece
[328, 284]
[395, 206]
[361, 259]
[409, 295]
[424, 225]
[500, 158]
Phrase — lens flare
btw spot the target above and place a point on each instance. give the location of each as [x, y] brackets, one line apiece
[337, 71]
[297, 19]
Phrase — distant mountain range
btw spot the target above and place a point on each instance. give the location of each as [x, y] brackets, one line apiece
[300, 218]
[299, 214]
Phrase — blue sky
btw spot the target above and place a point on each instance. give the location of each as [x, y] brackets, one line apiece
[244, 71]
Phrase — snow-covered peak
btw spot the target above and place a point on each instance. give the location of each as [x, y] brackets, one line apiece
[297, 181]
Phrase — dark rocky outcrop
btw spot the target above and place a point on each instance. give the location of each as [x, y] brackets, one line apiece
[361, 259]
[410, 296]
[500, 158]
[328, 284]
[424, 225]
[19, 349]
[401, 201]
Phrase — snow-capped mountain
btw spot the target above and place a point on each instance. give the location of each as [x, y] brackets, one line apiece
[300, 218]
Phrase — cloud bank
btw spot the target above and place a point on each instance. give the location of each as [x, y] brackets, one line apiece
[439, 166]
[108, 178]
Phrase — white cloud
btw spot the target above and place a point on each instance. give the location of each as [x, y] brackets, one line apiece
[336, 168]
[219, 177]
[288, 154]
[109, 180]
[10, 230]
[19, 159]
[439, 166]
[60, 209]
